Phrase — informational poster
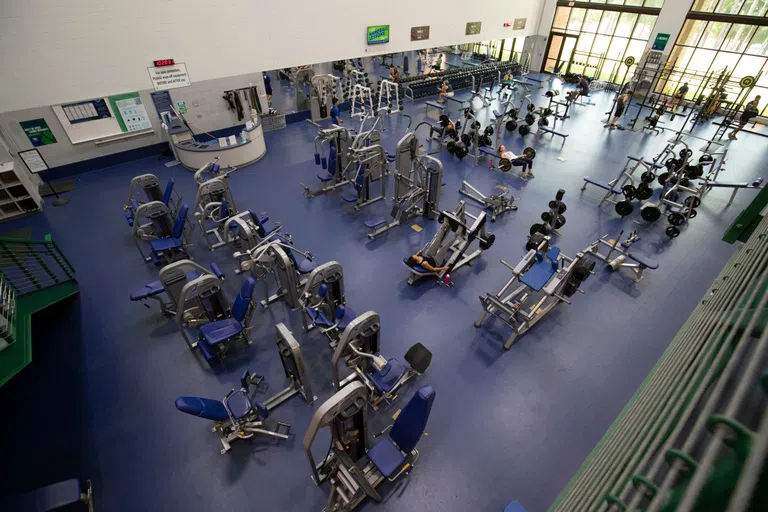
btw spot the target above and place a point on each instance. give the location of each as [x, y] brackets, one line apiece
[84, 111]
[33, 160]
[420, 33]
[519, 23]
[162, 101]
[130, 112]
[38, 132]
[661, 41]
[378, 34]
[181, 107]
[169, 77]
[473, 28]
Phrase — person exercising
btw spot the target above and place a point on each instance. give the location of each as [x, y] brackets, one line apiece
[621, 103]
[335, 114]
[446, 91]
[750, 110]
[506, 82]
[438, 62]
[394, 75]
[425, 262]
[583, 86]
[517, 161]
[679, 97]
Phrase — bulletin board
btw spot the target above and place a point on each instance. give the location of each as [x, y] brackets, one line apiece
[102, 118]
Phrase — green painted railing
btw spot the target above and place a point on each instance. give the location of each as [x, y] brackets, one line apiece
[695, 435]
[33, 275]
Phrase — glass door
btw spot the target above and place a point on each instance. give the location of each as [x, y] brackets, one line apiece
[560, 53]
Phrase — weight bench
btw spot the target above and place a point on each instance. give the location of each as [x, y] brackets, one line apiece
[67, 493]
[553, 132]
[655, 165]
[435, 105]
[621, 248]
[590, 181]
[758, 184]
[542, 270]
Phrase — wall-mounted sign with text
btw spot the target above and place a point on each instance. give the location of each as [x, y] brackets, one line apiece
[169, 77]
[519, 23]
[420, 33]
[473, 28]
[661, 41]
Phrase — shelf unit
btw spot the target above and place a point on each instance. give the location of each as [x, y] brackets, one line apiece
[18, 195]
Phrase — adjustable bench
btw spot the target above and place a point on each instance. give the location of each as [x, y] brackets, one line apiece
[590, 181]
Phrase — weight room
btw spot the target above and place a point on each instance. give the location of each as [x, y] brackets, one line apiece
[286, 234]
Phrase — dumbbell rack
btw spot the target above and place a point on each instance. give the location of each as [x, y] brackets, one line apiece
[362, 101]
[553, 219]
[392, 104]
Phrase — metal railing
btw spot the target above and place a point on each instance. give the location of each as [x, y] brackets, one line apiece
[27, 266]
[696, 432]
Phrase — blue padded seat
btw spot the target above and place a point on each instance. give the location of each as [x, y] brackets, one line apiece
[326, 178]
[489, 151]
[305, 266]
[344, 316]
[164, 244]
[538, 275]
[372, 223]
[496, 113]
[644, 261]
[202, 407]
[386, 379]
[220, 330]
[150, 290]
[514, 506]
[389, 453]
[318, 317]
[350, 198]
[239, 405]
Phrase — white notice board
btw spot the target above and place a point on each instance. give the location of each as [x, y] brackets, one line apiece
[95, 129]
[169, 77]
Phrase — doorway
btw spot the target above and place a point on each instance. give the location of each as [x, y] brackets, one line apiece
[559, 52]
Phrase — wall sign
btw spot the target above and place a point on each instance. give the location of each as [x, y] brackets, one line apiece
[33, 161]
[162, 101]
[378, 34]
[169, 77]
[519, 23]
[38, 132]
[84, 111]
[661, 41]
[181, 107]
[473, 28]
[130, 112]
[420, 33]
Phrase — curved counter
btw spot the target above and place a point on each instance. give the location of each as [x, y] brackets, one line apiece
[194, 155]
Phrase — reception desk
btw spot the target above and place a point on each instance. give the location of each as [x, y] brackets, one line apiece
[193, 155]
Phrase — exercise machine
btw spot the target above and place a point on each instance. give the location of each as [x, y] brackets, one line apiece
[302, 80]
[496, 204]
[164, 237]
[212, 170]
[324, 303]
[389, 97]
[172, 279]
[214, 205]
[338, 140]
[237, 416]
[619, 255]
[359, 348]
[324, 89]
[352, 467]
[369, 164]
[295, 370]
[246, 230]
[150, 186]
[449, 246]
[277, 258]
[417, 187]
[205, 309]
[628, 185]
[546, 278]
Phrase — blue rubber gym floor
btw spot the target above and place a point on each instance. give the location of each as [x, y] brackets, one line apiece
[506, 425]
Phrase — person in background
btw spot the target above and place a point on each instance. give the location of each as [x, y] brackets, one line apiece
[394, 75]
[506, 82]
[679, 97]
[268, 86]
[518, 161]
[621, 103]
[583, 86]
[425, 262]
[335, 115]
[438, 63]
[446, 91]
[751, 110]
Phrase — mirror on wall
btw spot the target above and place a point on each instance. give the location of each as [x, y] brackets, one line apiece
[290, 87]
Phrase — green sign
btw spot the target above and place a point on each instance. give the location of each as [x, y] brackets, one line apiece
[38, 132]
[661, 41]
[378, 34]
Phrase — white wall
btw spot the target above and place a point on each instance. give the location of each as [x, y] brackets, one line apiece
[670, 21]
[56, 51]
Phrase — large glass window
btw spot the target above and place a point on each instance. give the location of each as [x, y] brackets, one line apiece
[710, 46]
[595, 41]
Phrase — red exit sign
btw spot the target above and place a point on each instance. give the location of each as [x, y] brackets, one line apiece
[164, 62]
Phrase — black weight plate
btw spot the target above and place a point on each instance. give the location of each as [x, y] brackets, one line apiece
[685, 153]
[706, 158]
[530, 107]
[624, 208]
[671, 164]
[537, 228]
[561, 207]
[663, 178]
[650, 213]
[530, 119]
[487, 243]
[629, 191]
[560, 222]
[466, 139]
[505, 165]
[534, 241]
[444, 120]
[693, 213]
[672, 232]
[546, 216]
[488, 130]
[647, 177]
[511, 125]
[523, 130]
[644, 193]
[460, 152]
[451, 146]
[514, 112]
[529, 153]
[543, 121]
[692, 199]
[676, 218]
